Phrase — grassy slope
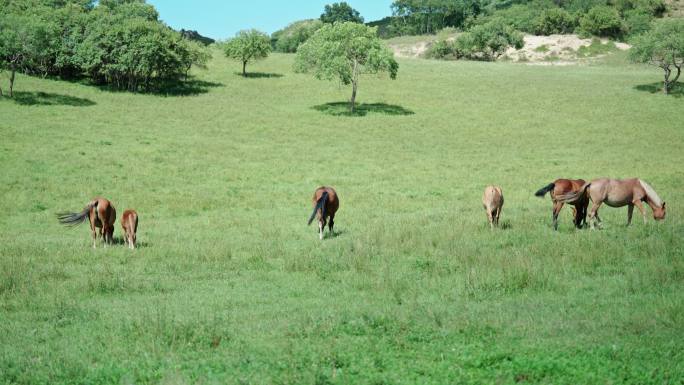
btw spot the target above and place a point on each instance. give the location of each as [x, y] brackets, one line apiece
[231, 286]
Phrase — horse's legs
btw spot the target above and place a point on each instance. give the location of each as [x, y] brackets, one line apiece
[641, 208]
[331, 224]
[490, 217]
[321, 226]
[557, 206]
[498, 214]
[630, 211]
[593, 214]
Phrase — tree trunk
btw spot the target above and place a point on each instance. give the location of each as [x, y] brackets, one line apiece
[244, 69]
[666, 85]
[11, 88]
[355, 83]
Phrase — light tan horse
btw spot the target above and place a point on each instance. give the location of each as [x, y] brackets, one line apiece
[101, 214]
[618, 193]
[492, 201]
[325, 203]
[129, 223]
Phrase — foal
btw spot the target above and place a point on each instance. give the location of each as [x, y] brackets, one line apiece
[101, 215]
[325, 203]
[493, 201]
[619, 193]
[129, 223]
[562, 187]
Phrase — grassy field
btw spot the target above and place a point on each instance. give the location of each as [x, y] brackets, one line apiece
[231, 286]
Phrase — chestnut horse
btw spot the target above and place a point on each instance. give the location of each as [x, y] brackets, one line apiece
[493, 201]
[566, 186]
[325, 203]
[129, 223]
[101, 214]
[618, 193]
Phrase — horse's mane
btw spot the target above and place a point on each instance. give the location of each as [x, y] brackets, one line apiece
[650, 192]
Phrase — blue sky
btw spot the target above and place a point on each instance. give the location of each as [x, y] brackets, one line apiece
[221, 19]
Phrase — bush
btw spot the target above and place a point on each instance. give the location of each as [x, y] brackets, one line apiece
[637, 22]
[602, 21]
[488, 41]
[291, 37]
[442, 49]
[556, 20]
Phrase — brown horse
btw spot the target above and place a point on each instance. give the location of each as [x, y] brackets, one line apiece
[492, 201]
[561, 187]
[618, 193]
[129, 223]
[101, 214]
[325, 203]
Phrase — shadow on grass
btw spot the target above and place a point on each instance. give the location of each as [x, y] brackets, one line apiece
[677, 90]
[362, 109]
[259, 75]
[120, 241]
[188, 87]
[49, 99]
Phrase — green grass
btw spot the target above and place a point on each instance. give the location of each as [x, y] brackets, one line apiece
[230, 285]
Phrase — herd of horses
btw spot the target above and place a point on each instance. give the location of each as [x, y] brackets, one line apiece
[613, 192]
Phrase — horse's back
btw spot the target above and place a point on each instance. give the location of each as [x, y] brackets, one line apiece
[130, 217]
[493, 196]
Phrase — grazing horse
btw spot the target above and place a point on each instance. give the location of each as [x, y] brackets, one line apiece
[618, 193]
[561, 187]
[101, 214]
[493, 201]
[325, 203]
[129, 223]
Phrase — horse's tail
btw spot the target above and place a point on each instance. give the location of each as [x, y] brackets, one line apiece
[545, 190]
[75, 219]
[320, 205]
[574, 196]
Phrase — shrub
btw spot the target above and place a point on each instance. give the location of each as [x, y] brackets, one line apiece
[555, 20]
[602, 21]
[489, 41]
[637, 22]
[442, 49]
[291, 37]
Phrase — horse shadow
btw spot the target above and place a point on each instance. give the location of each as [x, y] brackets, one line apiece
[677, 90]
[362, 109]
[259, 75]
[49, 99]
[121, 241]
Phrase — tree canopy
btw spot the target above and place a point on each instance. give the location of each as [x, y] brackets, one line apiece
[344, 51]
[340, 13]
[248, 46]
[662, 47]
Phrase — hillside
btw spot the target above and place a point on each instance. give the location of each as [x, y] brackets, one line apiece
[230, 286]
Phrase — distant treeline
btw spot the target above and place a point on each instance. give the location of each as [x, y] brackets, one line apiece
[121, 43]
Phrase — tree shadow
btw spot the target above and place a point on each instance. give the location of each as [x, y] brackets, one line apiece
[49, 99]
[361, 109]
[189, 87]
[259, 75]
[677, 90]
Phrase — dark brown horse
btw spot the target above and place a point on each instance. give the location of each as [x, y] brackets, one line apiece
[325, 203]
[129, 223]
[561, 187]
[618, 193]
[101, 214]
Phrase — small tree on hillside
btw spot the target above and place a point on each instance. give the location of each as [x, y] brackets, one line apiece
[24, 42]
[340, 13]
[345, 51]
[247, 46]
[662, 47]
[489, 41]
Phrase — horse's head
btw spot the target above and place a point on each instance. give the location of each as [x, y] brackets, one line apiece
[659, 212]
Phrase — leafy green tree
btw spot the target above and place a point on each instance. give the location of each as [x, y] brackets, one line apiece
[24, 44]
[663, 47]
[340, 13]
[489, 41]
[247, 46]
[555, 20]
[430, 16]
[291, 37]
[602, 21]
[345, 51]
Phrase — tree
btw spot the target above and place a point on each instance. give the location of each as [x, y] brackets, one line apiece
[663, 47]
[247, 46]
[344, 51]
[24, 42]
[489, 41]
[340, 13]
[291, 37]
[602, 21]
